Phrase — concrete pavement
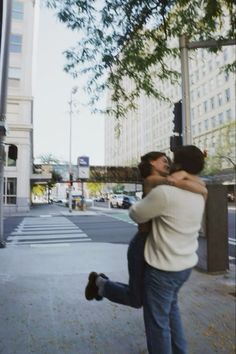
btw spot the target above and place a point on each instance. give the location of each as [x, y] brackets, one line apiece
[43, 309]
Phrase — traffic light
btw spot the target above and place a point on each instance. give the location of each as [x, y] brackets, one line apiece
[178, 126]
[71, 179]
[175, 141]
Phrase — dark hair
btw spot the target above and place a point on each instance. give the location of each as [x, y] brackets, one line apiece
[145, 168]
[189, 158]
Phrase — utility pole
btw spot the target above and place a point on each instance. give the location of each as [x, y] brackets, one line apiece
[73, 91]
[185, 45]
[186, 122]
[5, 29]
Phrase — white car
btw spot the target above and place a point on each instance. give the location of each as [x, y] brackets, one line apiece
[116, 200]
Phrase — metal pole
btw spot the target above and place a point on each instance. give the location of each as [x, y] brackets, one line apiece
[73, 91]
[82, 200]
[5, 17]
[187, 128]
[70, 164]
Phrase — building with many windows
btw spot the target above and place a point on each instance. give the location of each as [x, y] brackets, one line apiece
[19, 139]
[212, 103]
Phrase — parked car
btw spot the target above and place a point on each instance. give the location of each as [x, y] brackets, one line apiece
[116, 200]
[99, 199]
[77, 199]
[128, 201]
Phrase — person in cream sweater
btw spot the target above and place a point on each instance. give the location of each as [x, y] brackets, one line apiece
[170, 253]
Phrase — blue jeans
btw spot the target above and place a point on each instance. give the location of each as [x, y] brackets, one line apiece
[162, 320]
[130, 294]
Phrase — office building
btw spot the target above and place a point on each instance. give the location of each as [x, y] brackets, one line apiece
[212, 101]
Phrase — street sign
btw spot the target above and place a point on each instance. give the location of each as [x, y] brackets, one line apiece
[83, 161]
[83, 167]
[83, 172]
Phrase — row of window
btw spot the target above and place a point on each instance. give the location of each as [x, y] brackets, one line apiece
[212, 122]
[205, 88]
[211, 104]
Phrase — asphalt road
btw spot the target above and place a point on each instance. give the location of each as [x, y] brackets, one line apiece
[109, 225]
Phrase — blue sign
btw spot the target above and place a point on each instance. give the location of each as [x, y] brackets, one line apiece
[83, 161]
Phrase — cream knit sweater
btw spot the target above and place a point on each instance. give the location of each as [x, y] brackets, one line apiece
[176, 220]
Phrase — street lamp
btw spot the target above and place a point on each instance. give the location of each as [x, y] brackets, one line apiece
[73, 92]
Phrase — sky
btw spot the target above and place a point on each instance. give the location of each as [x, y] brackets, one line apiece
[52, 90]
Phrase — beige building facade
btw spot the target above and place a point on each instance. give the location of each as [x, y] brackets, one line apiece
[212, 101]
[19, 139]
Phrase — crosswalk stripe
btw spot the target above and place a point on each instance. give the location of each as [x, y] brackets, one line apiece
[45, 232]
[54, 230]
[232, 241]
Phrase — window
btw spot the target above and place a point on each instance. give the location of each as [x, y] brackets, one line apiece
[9, 191]
[15, 43]
[225, 54]
[192, 95]
[205, 106]
[11, 155]
[206, 124]
[213, 141]
[212, 102]
[211, 84]
[199, 127]
[192, 114]
[221, 118]
[229, 114]
[204, 88]
[17, 10]
[198, 92]
[226, 76]
[197, 75]
[14, 72]
[192, 79]
[227, 94]
[14, 75]
[199, 111]
[219, 97]
[213, 121]
[210, 65]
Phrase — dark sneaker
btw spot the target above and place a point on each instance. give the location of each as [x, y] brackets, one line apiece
[91, 290]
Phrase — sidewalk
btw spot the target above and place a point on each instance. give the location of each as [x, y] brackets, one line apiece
[43, 309]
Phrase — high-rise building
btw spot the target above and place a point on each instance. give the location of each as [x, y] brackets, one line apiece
[212, 100]
[19, 140]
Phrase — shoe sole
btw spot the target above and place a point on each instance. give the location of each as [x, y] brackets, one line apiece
[91, 288]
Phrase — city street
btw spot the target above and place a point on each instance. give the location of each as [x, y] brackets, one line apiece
[104, 225]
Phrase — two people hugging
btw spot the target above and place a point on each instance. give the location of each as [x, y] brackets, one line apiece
[162, 253]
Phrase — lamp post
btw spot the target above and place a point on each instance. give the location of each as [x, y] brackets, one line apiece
[73, 92]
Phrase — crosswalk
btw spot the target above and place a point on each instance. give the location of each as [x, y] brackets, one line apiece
[48, 230]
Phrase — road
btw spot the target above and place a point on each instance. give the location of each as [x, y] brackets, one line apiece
[106, 225]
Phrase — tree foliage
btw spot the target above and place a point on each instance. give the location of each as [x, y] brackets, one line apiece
[94, 188]
[48, 159]
[131, 38]
[224, 152]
